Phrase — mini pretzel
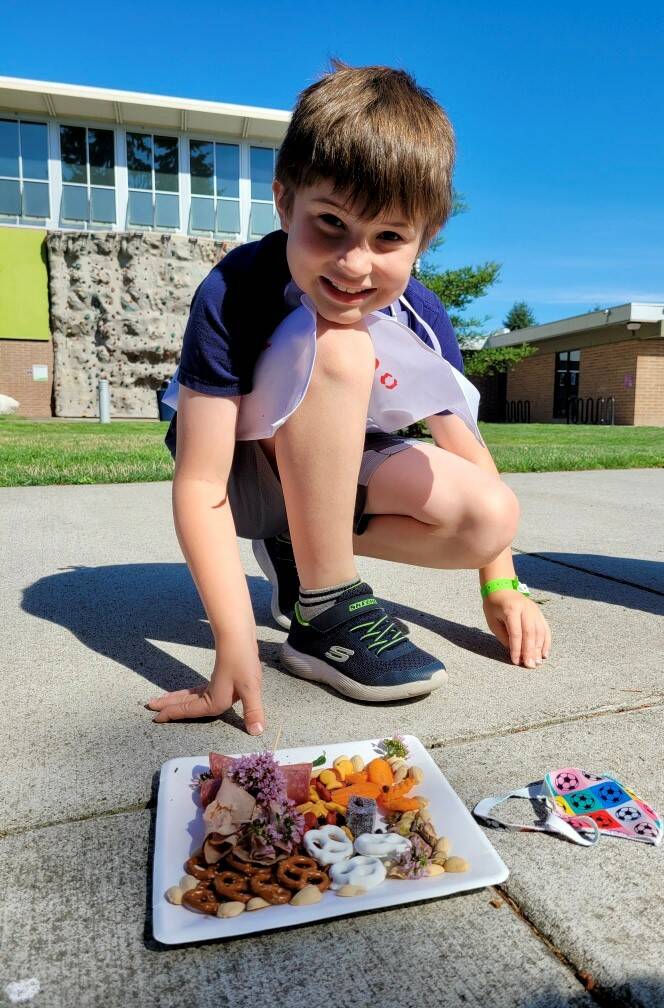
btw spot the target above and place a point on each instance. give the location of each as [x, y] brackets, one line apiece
[299, 871]
[201, 900]
[249, 868]
[199, 868]
[233, 887]
[362, 871]
[261, 885]
[382, 845]
[328, 844]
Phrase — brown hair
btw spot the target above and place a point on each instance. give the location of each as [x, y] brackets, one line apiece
[380, 138]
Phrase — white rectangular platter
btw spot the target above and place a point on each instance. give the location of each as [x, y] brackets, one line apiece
[180, 832]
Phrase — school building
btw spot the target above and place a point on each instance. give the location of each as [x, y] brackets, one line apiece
[113, 206]
[616, 353]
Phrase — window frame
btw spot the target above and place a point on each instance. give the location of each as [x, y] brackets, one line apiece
[88, 225]
[21, 219]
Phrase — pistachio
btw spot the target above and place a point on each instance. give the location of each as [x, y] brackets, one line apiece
[416, 774]
[456, 864]
[187, 882]
[358, 764]
[230, 909]
[307, 896]
[351, 890]
[174, 895]
[257, 903]
[435, 869]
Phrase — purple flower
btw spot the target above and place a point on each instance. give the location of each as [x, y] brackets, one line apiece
[261, 776]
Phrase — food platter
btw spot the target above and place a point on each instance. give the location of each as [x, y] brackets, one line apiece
[180, 831]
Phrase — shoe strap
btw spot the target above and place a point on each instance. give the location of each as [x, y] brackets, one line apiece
[347, 609]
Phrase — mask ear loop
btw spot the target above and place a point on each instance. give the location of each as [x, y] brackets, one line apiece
[551, 823]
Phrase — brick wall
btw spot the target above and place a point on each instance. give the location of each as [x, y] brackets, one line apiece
[16, 360]
[649, 406]
[610, 370]
[532, 379]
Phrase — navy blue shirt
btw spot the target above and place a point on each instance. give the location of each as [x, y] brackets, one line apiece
[239, 304]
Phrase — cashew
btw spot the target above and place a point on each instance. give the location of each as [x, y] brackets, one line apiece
[187, 882]
[456, 864]
[396, 761]
[400, 774]
[230, 909]
[307, 896]
[351, 890]
[421, 801]
[439, 859]
[443, 846]
[358, 764]
[174, 895]
[257, 903]
[416, 774]
[435, 869]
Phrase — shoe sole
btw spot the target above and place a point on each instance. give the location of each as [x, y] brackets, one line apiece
[265, 563]
[307, 667]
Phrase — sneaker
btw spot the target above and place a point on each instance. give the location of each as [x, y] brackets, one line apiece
[356, 648]
[275, 558]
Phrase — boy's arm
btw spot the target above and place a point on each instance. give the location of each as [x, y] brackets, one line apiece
[515, 620]
[206, 532]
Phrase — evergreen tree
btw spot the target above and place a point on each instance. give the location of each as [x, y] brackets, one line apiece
[519, 316]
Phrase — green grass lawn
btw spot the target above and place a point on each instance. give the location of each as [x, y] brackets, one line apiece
[38, 452]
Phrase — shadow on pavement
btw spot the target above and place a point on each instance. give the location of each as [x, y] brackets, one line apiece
[615, 580]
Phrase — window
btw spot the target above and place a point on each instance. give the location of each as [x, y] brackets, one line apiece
[88, 176]
[24, 171]
[215, 187]
[262, 217]
[566, 383]
[153, 177]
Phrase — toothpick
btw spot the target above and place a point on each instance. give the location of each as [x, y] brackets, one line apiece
[276, 740]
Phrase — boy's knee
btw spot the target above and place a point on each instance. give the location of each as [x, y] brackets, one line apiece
[345, 355]
[496, 521]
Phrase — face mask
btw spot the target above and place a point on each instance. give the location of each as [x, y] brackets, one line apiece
[580, 806]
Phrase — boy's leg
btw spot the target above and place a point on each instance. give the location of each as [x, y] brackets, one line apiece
[432, 508]
[318, 453]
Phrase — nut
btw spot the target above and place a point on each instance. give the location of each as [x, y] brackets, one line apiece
[421, 801]
[174, 895]
[443, 846]
[400, 773]
[307, 896]
[230, 909]
[358, 764]
[256, 903]
[439, 859]
[435, 869]
[187, 882]
[456, 864]
[416, 774]
[351, 890]
[396, 761]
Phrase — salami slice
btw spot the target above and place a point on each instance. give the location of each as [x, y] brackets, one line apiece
[297, 777]
[209, 790]
[219, 764]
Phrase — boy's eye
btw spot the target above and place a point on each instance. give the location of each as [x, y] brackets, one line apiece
[331, 219]
[334, 222]
[390, 236]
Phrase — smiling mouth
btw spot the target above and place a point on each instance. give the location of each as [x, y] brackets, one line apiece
[351, 291]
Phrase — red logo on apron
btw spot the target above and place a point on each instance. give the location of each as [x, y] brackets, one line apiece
[389, 381]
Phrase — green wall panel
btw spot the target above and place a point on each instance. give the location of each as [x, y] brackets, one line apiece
[23, 284]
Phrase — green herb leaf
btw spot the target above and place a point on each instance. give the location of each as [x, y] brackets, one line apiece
[320, 761]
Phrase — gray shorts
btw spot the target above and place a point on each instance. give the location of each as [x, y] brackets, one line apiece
[256, 497]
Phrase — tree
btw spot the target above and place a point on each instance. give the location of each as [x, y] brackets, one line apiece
[520, 316]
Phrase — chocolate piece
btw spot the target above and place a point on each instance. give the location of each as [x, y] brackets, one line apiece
[361, 815]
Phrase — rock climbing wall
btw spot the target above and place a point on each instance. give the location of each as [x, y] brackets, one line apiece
[119, 305]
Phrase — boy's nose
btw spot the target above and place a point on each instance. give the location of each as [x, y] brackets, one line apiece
[355, 263]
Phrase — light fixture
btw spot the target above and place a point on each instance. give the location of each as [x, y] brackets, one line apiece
[633, 326]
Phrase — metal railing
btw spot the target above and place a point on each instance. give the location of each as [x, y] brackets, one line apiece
[591, 411]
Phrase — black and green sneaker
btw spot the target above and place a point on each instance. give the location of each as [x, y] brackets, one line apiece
[275, 558]
[356, 648]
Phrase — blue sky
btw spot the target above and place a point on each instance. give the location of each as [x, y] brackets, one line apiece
[559, 114]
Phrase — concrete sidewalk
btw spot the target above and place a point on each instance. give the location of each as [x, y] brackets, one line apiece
[100, 614]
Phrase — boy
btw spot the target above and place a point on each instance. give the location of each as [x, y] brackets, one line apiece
[362, 185]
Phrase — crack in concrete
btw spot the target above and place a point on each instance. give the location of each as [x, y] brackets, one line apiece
[587, 570]
[105, 814]
[551, 722]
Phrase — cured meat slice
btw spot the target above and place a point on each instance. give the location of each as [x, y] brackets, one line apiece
[297, 777]
[209, 790]
[219, 764]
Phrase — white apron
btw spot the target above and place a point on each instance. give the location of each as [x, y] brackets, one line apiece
[412, 380]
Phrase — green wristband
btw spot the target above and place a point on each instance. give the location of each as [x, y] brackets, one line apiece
[500, 584]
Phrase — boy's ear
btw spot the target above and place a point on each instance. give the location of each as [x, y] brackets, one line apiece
[279, 191]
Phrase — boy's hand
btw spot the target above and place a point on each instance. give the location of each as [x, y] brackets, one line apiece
[518, 623]
[230, 682]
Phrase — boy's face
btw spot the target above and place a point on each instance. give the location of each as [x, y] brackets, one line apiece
[330, 246]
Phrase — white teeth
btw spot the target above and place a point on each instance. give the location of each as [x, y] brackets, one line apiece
[347, 290]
